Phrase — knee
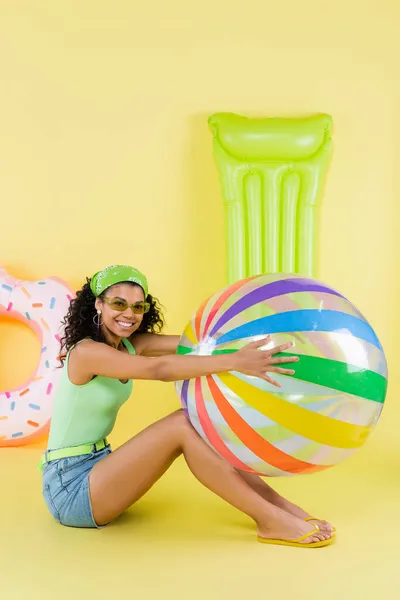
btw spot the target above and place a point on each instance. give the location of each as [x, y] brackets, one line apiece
[182, 423]
[179, 418]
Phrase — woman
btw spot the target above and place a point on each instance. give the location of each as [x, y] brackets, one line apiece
[112, 337]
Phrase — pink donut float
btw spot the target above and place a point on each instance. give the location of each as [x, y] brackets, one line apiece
[25, 411]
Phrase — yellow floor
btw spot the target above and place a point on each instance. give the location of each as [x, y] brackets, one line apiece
[182, 542]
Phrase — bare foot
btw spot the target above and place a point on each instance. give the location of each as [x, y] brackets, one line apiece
[290, 528]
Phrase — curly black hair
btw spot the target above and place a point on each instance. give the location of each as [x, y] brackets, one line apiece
[78, 323]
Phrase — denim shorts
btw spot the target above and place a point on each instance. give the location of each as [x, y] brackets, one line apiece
[66, 488]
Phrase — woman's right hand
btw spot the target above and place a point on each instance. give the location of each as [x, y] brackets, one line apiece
[251, 360]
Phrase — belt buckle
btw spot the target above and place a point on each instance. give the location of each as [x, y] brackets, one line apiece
[97, 449]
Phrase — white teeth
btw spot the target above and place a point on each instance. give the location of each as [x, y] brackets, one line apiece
[123, 324]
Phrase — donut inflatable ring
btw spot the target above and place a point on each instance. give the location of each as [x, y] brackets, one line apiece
[25, 411]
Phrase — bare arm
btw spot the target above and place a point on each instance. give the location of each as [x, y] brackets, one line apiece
[153, 344]
[94, 358]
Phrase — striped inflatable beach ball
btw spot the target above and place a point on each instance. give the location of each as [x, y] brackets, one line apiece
[320, 415]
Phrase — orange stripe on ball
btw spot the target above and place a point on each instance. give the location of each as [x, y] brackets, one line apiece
[255, 442]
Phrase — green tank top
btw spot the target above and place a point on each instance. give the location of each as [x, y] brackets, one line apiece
[85, 414]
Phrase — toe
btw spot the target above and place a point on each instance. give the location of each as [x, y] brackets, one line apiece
[321, 536]
[323, 525]
[317, 538]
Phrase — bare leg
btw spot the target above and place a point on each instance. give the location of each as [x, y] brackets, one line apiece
[266, 492]
[120, 479]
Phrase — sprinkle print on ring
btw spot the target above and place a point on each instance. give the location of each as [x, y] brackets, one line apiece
[25, 411]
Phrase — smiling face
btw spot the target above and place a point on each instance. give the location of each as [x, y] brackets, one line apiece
[120, 324]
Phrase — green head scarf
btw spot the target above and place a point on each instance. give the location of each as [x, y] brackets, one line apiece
[117, 274]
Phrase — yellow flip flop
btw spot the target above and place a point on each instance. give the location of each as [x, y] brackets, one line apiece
[297, 543]
[316, 519]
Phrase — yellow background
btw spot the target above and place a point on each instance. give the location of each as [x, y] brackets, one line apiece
[105, 156]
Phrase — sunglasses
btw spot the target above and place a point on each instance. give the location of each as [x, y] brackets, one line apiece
[119, 304]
